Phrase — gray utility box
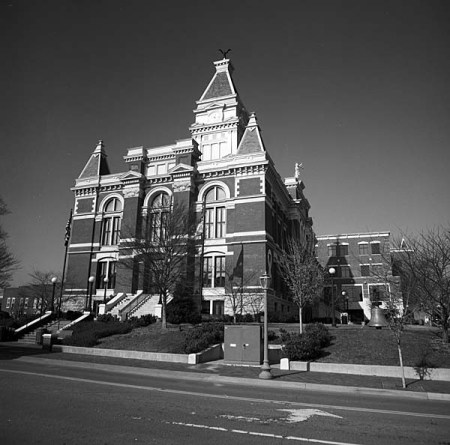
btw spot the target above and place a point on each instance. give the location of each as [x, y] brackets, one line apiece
[243, 345]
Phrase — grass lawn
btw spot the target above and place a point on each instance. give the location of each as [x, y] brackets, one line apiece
[350, 344]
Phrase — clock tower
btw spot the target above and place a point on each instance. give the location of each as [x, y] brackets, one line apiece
[220, 117]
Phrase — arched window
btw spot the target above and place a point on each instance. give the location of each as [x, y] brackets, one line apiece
[158, 217]
[215, 213]
[112, 216]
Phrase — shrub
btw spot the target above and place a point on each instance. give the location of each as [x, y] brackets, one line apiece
[73, 315]
[106, 318]
[302, 347]
[201, 337]
[320, 332]
[271, 335]
[87, 334]
[142, 321]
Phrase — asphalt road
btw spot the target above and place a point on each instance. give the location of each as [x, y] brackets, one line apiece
[42, 402]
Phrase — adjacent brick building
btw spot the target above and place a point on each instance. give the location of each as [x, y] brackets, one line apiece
[224, 172]
[363, 271]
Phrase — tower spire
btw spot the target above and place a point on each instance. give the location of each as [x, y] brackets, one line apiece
[97, 165]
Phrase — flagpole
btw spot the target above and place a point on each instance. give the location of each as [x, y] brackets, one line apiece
[66, 244]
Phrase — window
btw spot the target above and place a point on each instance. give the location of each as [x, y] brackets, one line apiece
[332, 250]
[343, 249]
[214, 271]
[375, 248]
[365, 270]
[112, 216]
[218, 307]
[345, 272]
[158, 217]
[106, 269]
[215, 213]
[8, 303]
[363, 249]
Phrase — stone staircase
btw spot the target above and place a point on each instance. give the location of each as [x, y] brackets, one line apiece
[147, 306]
[135, 306]
[52, 328]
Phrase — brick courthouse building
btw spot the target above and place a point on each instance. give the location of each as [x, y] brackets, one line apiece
[226, 174]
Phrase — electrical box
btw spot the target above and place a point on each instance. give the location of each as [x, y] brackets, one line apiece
[243, 344]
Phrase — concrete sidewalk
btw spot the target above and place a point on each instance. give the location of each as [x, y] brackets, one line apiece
[219, 371]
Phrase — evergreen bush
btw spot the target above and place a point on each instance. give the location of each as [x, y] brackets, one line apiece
[202, 337]
[302, 347]
[320, 332]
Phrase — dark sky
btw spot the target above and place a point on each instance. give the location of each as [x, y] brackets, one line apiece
[358, 91]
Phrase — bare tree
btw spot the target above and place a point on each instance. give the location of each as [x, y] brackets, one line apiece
[236, 294]
[302, 274]
[396, 299]
[254, 302]
[162, 251]
[7, 261]
[41, 287]
[425, 260]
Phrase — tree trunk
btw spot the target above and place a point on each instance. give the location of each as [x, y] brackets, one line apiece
[445, 334]
[400, 356]
[163, 312]
[300, 311]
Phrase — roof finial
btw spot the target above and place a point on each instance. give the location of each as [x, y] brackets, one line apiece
[224, 53]
[297, 169]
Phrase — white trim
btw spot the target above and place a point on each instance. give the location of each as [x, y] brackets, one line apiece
[363, 242]
[208, 185]
[90, 216]
[255, 233]
[85, 245]
[354, 235]
[107, 198]
[155, 191]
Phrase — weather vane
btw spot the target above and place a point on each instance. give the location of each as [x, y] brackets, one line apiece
[224, 53]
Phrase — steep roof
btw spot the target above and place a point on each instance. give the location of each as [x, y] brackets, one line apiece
[221, 85]
[251, 141]
[97, 165]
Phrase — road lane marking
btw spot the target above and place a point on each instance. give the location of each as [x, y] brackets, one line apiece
[300, 415]
[226, 397]
[256, 433]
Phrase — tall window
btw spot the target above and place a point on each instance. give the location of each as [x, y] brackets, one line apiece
[343, 249]
[106, 269]
[215, 213]
[112, 216]
[214, 271]
[375, 248]
[157, 220]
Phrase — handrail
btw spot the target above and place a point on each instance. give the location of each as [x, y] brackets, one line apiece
[131, 305]
[35, 322]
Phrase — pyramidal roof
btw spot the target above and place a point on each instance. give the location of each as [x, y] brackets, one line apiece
[221, 84]
[251, 141]
[97, 164]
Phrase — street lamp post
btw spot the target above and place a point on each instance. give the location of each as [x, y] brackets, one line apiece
[345, 297]
[52, 307]
[91, 284]
[265, 368]
[332, 271]
[106, 285]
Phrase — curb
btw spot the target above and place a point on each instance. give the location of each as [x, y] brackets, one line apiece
[214, 378]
